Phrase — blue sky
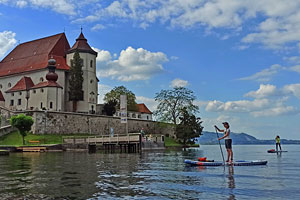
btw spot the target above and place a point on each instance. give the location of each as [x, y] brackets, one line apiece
[241, 58]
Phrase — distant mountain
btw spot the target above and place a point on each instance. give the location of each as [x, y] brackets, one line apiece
[238, 138]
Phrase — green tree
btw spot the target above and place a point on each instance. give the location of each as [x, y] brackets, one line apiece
[76, 80]
[23, 123]
[189, 126]
[110, 107]
[171, 103]
[114, 95]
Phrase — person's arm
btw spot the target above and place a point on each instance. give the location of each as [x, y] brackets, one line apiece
[220, 130]
[225, 135]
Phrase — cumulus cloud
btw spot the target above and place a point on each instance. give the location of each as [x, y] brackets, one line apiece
[263, 91]
[102, 90]
[60, 6]
[295, 68]
[293, 89]
[98, 27]
[179, 83]
[131, 65]
[7, 41]
[280, 24]
[264, 75]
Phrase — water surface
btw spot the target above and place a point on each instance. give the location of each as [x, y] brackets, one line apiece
[150, 175]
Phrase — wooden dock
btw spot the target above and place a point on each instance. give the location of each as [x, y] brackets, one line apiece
[32, 149]
[130, 143]
[4, 152]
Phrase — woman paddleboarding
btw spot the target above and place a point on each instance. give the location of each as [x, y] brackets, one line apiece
[228, 141]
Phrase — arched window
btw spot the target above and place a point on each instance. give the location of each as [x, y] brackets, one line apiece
[9, 84]
[51, 104]
[41, 79]
[91, 64]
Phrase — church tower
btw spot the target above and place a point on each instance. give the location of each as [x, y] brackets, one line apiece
[90, 81]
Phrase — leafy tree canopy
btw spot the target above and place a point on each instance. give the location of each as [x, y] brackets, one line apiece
[114, 95]
[189, 126]
[110, 107]
[172, 102]
[23, 123]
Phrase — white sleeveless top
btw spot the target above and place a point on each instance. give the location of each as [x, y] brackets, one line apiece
[227, 131]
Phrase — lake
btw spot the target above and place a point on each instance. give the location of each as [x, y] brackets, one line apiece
[150, 175]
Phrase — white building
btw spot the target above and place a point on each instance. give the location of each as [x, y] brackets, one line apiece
[29, 82]
[142, 113]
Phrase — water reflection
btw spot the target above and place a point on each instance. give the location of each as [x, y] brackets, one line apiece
[231, 182]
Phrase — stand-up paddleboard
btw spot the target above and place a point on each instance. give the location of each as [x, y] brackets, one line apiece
[235, 163]
[274, 151]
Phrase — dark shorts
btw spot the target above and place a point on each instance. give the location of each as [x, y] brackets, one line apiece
[228, 143]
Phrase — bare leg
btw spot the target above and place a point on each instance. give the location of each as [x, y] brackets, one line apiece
[228, 155]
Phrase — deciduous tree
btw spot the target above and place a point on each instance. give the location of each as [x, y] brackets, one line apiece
[114, 95]
[23, 123]
[189, 126]
[171, 103]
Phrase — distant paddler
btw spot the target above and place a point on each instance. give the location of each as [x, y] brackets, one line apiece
[277, 139]
[228, 141]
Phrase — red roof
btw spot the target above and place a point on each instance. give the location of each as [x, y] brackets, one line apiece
[47, 84]
[82, 46]
[142, 108]
[1, 96]
[34, 55]
[24, 83]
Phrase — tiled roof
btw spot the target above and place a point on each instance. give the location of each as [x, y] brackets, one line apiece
[34, 55]
[25, 83]
[1, 96]
[82, 46]
[142, 108]
[47, 84]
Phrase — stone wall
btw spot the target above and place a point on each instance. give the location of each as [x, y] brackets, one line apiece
[74, 123]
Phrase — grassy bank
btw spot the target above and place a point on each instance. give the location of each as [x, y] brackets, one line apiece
[170, 142]
[15, 139]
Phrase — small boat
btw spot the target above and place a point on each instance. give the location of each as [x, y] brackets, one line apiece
[274, 151]
[235, 163]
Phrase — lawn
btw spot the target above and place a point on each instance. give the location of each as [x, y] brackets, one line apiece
[170, 142]
[15, 139]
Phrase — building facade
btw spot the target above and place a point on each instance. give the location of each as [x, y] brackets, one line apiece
[35, 75]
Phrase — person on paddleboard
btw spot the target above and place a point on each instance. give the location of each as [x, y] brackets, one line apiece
[277, 139]
[228, 141]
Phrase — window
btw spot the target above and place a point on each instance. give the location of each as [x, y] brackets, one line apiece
[42, 90]
[12, 94]
[11, 102]
[0, 86]
[20, 93]
[139, 116]
[41, 79]
[51, 104]
[91, 64]
[9, 84]
[19, 101]
[41, 105]
[147, 117]
[34, 91]
[91, 81]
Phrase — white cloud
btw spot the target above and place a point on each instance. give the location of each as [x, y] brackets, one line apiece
[293, 88]
[98, 27]
[265, 75]
[179, 83]
[276, 111]
[274, 23]
[21, 3]
[102, 90]
[7, 41]
[132, 64]
[263, 91]
[60, 6]
[295, 68]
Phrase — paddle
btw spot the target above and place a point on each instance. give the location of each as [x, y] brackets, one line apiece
[220, 146]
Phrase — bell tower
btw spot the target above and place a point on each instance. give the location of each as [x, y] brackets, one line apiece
[90, 81]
